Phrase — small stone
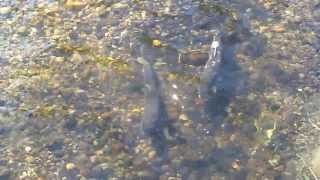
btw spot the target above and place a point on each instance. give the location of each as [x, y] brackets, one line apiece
[278, 28]
[99, 152]
[119, 5]
[70, 166]
[5, 10]
[59, 59]
[107, 115]
[27, 149]
[117, 147]
[156, 43]
[183, 117]
[93, 159]
[22, 30]
[301, 75]
[74, 4]
[152, 155]
[195, 58]
[236, 165]
[95, 143]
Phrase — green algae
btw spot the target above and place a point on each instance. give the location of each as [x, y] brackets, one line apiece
[120, 66]
[69, 48]
[213, 7]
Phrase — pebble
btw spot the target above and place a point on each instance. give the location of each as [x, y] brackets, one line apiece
[70, 166]
[22, 30]
[278, 28]
[99, 152]
[236, 165]
[28, 149]
[93, 158]
[75, 4]
[195, 58]
[5, 10]
[301, 75]
[152, 155]
[183, 117]
[156, 43]
[117, 147]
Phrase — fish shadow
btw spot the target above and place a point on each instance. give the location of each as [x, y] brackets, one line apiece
[164, 134]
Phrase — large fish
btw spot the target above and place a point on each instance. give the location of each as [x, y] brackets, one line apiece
[211, 68]
[154, 123]
[155, 116]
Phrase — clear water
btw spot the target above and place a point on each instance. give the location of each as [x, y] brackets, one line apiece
[74, 94]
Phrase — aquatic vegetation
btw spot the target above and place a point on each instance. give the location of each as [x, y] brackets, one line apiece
[118, 65]
[180, 77]
[73, 94]
[69, 48]
[148, 40]
[45, 111]
[213, 7]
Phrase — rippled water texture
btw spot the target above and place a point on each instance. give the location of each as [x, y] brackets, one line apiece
[123, 89]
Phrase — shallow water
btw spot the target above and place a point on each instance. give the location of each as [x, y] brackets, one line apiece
[74, 95]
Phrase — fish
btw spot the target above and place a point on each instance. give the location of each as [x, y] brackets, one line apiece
[155, 115]
[210, 94]
[154, 123]
[211, 68]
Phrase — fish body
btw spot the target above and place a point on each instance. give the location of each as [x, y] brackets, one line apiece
[211, 68]
[154, 122]
[154, 116]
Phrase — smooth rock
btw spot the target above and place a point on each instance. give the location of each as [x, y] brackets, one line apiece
[70, 166]
[5, 10]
